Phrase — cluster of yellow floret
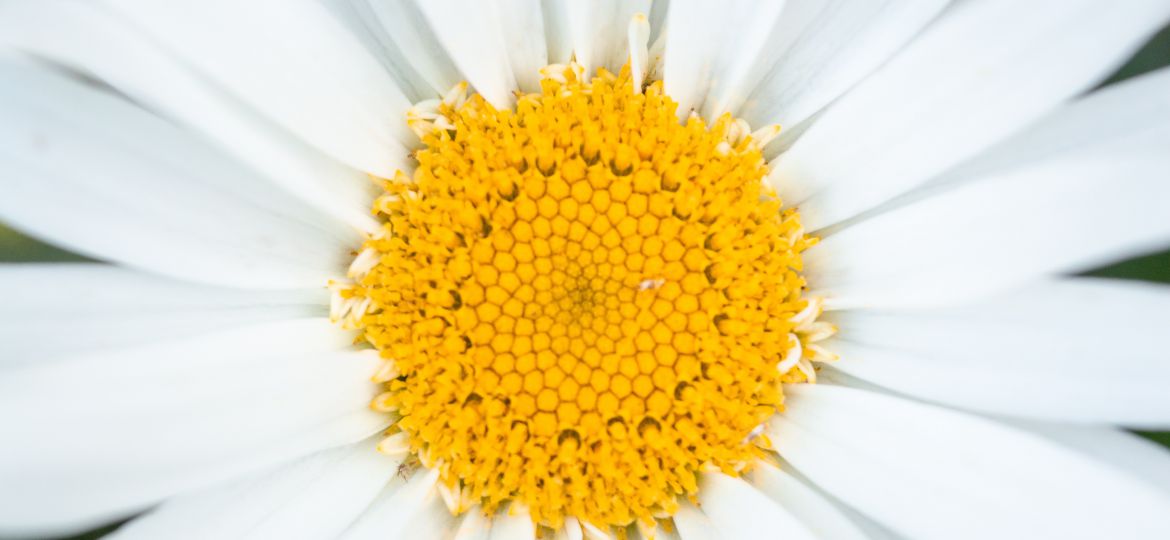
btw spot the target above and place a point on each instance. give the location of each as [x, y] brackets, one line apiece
[585, 301]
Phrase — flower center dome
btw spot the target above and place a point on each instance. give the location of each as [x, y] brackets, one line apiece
[583, 303]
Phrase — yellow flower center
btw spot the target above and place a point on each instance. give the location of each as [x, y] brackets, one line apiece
[583, 303]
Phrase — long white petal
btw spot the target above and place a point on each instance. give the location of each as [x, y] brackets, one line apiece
[296, 64]
[928, 472]
[361, 20]
[53, 310]
[403, 23]
[473, 34]
[1139, 457]
[982, 72]
[412, 511]
[106, 434]
[1138, 107]
[315, 497]
[524, 35]
[845, 42]
[1055, 202]
[714, 49]
[358, 21]
[97, 175]
[738, 510]
[823, 518]
[1075, 350]
[598, 31]
[92, 41]
[557, 31]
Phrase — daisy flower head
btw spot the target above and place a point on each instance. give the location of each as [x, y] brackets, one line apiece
[615, 269]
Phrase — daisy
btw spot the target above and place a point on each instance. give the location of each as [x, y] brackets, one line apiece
[555, 270]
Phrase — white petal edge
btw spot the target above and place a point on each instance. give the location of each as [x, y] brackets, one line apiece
[92, 173]
[87, 38]
[53, 310]
[1142, 458]
[822, 517]
[713, 48]
[1071, 350]
[738, 510]
[557, 31]
[474, 526]
[403, 23]
[524, 35]
[929, 472]
[598, 31]
[513, 524]
[318, 496]
[359, 18]
[570, 531]
[1127, 109]
[1133, 108]
[105, 435]
[869, 528]
[693, 524]
[1055, 203]
[473, 34]
[413, 511]
[296, 64]
[840, 46]
[982, 72]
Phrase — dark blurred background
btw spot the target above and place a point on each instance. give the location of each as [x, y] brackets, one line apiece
[15, 247]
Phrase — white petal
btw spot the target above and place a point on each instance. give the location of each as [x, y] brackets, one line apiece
[90, 40]
[557, 31]
[53, 310]
[598, 31]
[473, 34]
[660, 533]
[474, 526]
[638, 36]
[713, 51]
[106, 434]
[1059, 202]
[296, 64]
[97, 175]
[513, 524]
[929, 472]
[315, 497]
[571, 530]
[1141, 458]
[982, 72]
[1138, 107]
[870, 528]
[845, 42]
[412, 511]
[359, 18]
[693, 524]
[415, 42]
[524, 35]
[822, 517]
[358, 21]
[1075, 350]
[738, 510]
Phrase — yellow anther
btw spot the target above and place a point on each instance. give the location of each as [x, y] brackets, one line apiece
[585, 301]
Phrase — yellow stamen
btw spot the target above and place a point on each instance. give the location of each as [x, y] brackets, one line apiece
[583, 303]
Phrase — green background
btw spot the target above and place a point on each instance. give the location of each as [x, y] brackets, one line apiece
[15, 247]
